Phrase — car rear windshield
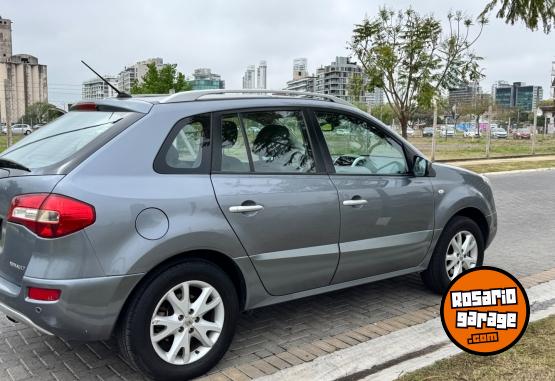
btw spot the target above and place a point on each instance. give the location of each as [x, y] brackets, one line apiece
[59, 140]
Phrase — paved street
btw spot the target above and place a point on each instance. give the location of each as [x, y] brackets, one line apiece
[275, 337]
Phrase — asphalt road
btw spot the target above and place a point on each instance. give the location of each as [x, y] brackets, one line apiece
[524, 245]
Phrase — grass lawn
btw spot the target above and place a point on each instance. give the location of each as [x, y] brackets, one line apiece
[4, 141]
[460, 148]
[532, 358]
[509, 166]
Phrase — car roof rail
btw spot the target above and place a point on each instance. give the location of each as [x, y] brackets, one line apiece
[190, 96]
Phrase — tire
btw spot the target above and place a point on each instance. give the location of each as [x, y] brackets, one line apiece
[437, 276]
[134, 331]
[27, 132]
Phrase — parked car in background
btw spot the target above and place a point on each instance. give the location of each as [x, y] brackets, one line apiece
[157, 220]
[498, 133]
[448, 131]
[471, 133]
[37, 126]
[428, 132]
[521, 133]
[18, 129]
[410, 131]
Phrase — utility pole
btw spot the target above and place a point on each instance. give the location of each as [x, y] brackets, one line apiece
[488, 138]
[8, 92]
[434, 127]
[534, 131]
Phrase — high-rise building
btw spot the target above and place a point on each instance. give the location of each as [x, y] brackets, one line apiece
[525, 97]
[301, 81]
[249, 81]
[464, 95]
[334, 79]
[496, 85]
[204, 79]
[134, 74]
[96, 88]
[261, 72]
[23, 81]
[300, 68]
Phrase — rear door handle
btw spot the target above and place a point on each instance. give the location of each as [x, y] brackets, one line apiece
[245, 208]
[355, 202]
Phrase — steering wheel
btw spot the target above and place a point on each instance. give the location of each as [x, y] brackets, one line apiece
[358, 161]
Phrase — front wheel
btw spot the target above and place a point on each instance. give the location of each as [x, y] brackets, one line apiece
[180, 322]
[459, 248]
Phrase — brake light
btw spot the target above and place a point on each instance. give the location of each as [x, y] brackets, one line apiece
[43, 294]
[84, 106]
[51, 215]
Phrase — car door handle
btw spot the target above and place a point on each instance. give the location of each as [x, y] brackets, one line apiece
[355, 202]
[245, 208]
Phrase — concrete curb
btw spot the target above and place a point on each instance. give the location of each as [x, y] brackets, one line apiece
[518, 171]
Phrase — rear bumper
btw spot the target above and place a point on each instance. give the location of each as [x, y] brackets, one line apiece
[88, 309]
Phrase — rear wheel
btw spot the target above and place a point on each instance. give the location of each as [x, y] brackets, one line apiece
[459, 248]
[181, 322]
[27, 132]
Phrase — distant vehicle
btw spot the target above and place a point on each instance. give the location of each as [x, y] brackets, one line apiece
[18, 129]
[448, 131]
[498, 133]
[471, 133]
[428, 132]
[410, 131]
[521, 133]
[37, 126]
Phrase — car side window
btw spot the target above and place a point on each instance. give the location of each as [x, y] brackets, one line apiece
[185, 149]
[357, 147]
[273, 141]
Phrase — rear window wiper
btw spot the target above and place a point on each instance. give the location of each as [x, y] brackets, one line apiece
[7, 163]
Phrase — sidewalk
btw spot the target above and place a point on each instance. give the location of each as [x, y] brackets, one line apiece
[405, 350]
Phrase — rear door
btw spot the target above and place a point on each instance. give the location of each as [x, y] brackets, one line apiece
[277, 197]
[386, 214]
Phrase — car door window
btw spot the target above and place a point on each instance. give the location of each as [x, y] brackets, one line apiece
[357, 147]
[266, 141]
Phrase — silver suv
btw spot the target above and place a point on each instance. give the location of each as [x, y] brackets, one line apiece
[159, 219]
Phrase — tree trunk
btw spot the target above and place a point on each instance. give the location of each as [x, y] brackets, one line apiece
[478, 124]
[403, 120]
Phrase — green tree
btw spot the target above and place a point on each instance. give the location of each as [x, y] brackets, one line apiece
[161, 81]
[383, 112]
[40, 112]
[531, 12]
[411, 58]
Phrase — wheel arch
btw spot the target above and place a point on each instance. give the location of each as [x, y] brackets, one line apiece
[224, 262]
[477, 216]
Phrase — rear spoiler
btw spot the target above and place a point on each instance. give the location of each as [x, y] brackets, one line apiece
[113, 105]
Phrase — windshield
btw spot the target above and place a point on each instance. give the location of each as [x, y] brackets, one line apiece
[62, 138]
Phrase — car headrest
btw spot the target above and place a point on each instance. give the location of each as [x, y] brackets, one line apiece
[229, 133]
[272, 141]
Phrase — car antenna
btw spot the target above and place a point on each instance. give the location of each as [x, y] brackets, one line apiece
[121, 94]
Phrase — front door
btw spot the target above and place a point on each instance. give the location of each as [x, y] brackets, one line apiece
[386, 214]
[277, 198]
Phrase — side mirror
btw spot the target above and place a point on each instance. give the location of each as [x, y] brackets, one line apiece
[420, 167]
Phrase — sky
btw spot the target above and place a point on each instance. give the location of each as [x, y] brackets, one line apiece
[226, 36]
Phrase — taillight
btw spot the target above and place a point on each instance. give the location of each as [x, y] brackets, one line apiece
[50, 215]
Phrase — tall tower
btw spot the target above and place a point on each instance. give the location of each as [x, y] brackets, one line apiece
[261, 75]
[299, 68]
[248, 78]
[5, 39]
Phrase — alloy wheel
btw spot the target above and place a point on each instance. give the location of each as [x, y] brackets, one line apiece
[462, 254]
[187, 322]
